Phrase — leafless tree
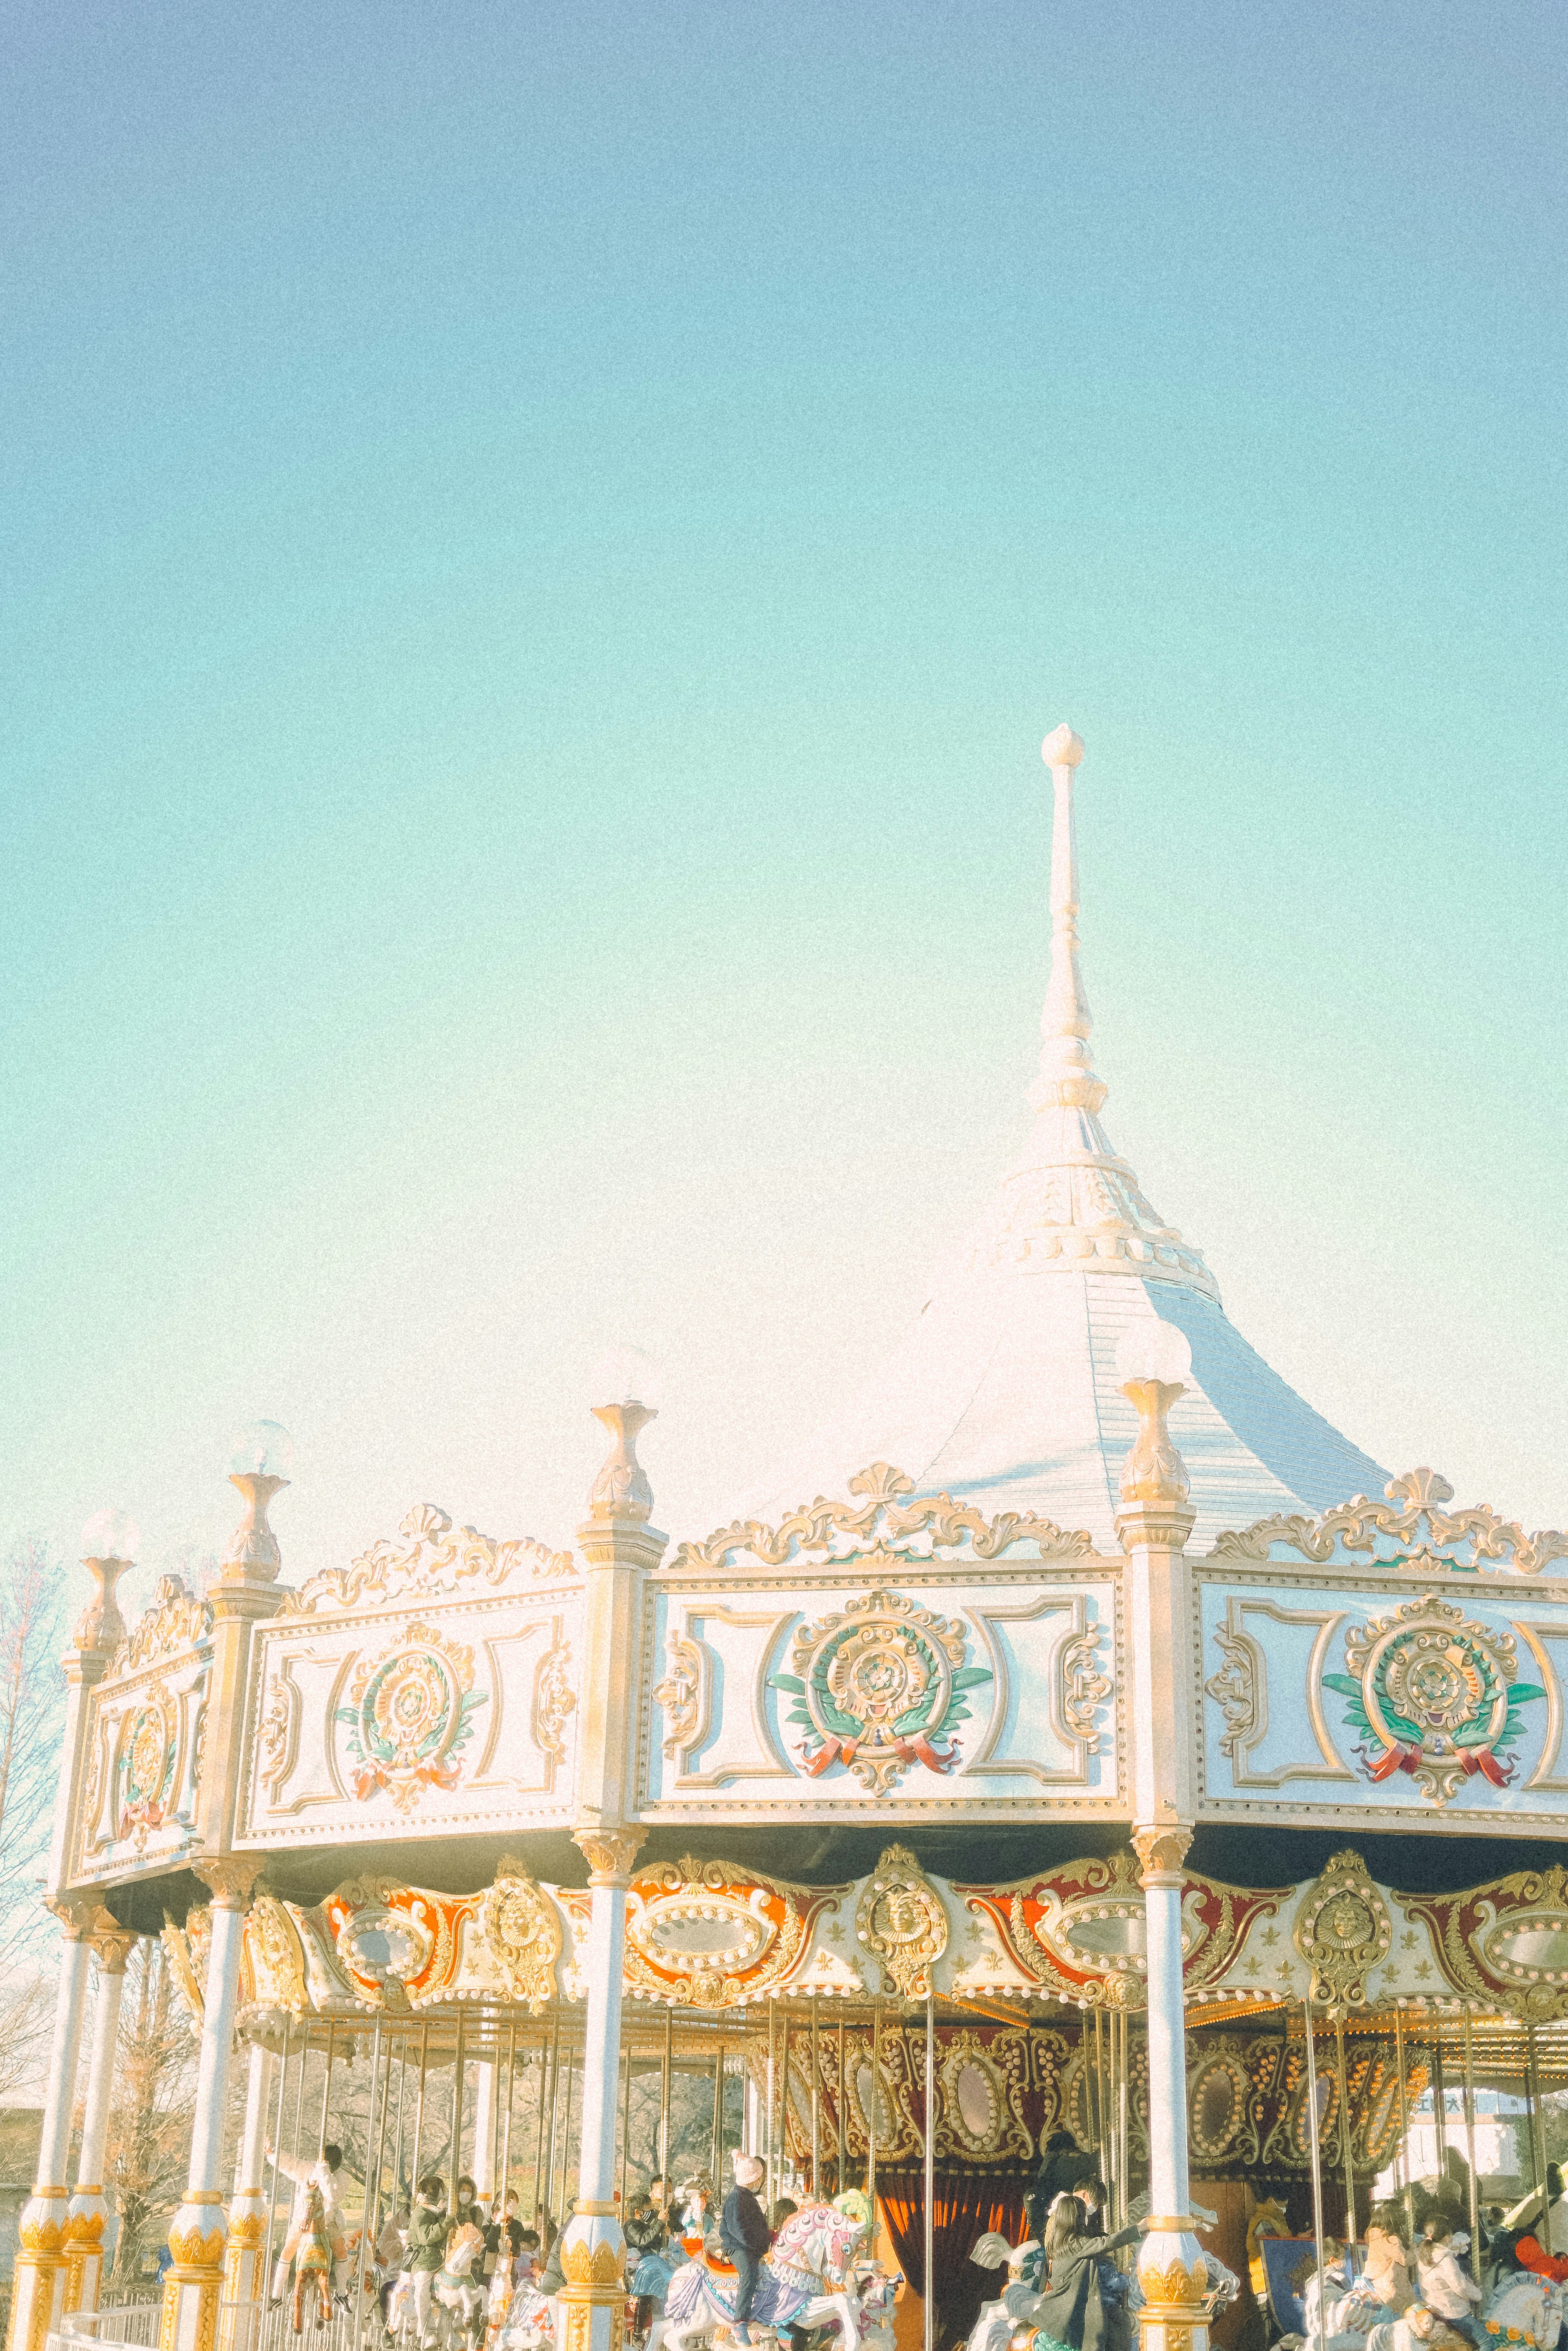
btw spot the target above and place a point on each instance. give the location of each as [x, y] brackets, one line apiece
[150, 2119]
[32, 1701]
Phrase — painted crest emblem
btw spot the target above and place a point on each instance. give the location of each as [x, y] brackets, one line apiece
[876, 1685]
[1434, 1694]
[409, 1716]
[147, 1759]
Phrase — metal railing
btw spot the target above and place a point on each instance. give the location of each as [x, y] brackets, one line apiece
[121, 2322]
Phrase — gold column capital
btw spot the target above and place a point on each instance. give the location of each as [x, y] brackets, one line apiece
[1161, 1853]
[230, 1878]
[610, 1853]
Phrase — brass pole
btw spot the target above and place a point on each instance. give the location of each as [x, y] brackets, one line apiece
[419, 2104]
[566, 2131]
[401, 2105]
[1470, 2145]
[458, 2067]
[928, 2315]
[625, 2118]
[1317, 2172]
[841, 2183]
[718, 2123]
[554, 2118]
[511, 2101]
[1538, 2128]
[1404, 2124]
[1440, 2100]
[772, 2093]
[784, 2110]
[1344, 2132]
[278, 2143]
[327, 2088]
[1124, 2116]
[664, 2105]
[369, 2217]
[871, 2116]
[816, 2106]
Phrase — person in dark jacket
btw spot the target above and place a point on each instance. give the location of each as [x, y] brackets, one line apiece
[1063, 2165]
[744, 2235]
[1074, 2305]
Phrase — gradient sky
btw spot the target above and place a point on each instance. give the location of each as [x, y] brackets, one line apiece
[537, 546]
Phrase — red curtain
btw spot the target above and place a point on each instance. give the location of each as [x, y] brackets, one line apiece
[965, 2206]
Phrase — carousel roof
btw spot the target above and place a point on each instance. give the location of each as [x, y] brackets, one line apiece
[1006, 1390]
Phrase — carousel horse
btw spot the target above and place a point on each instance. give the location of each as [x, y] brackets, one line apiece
[529, 2322]
[805, 2282]
[319, 2251]
[875, 2295]
[454, 2290]
[1524, 2310]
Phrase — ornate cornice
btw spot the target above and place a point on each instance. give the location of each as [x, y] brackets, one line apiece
[885, 1520]
[1413, 1515]
[178, 1620]
[429, 1563]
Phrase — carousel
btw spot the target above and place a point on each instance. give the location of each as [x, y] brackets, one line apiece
[1064, 1757]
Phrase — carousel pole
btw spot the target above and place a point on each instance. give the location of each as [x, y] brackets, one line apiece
[784, 2109]
[550, 2053]
[772, 2093]
[264, 2281]
[419, 2108]
[566, 2135]
[1344, 2134]
[459, 2062]
[1475, 2199]
[511, 2101]
[620, 1548]
[327, 2088]
[717, 2141]
[625, 2118]
[928, 2313]
[1317, 2171]
[665, 2079]
[370, 2215]
[1404, 2123]
[1153, 1520]
[871, 2118]
[1439, 2098]
[816, 2104]
[843, 2093]
[1538, 2132]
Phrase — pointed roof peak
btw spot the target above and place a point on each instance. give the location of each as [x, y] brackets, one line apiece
[1070, 1199]
[1067, 1079]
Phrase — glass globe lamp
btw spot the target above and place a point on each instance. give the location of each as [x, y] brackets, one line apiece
[625, 1375]
[263, 1449]
[109, 1534]
[1154, 1351]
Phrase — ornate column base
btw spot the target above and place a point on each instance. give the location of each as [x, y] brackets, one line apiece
[1174, 2276]
[245, 2267]
[39, 2284]
[593, 2298]
[83, 2249]
[193, 2283]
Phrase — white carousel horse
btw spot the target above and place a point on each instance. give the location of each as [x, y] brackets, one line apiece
[1524, 2311]
[529, 2322]
[455, 2289]
[805, 2282]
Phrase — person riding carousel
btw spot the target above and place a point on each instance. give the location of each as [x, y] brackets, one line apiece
[1080, 2306]
[744, 2236]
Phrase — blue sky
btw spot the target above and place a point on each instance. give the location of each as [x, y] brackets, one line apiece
[538, 545]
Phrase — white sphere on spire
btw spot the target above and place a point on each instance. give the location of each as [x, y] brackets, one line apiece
[109, 1534]
[1154, 1351]
[1061, 747]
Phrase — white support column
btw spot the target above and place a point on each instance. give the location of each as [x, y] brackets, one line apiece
[484, 2130]
[1154, 1522]
[245, 2259]
[593, 2298]
[84, 2230]
[199, 2230]
[39, 2287]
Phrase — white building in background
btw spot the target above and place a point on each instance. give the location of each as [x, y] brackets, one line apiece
[1498, 2142]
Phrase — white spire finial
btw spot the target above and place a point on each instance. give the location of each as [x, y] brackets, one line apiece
[1067, 1076]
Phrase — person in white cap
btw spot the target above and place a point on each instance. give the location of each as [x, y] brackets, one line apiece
[744, 2233]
